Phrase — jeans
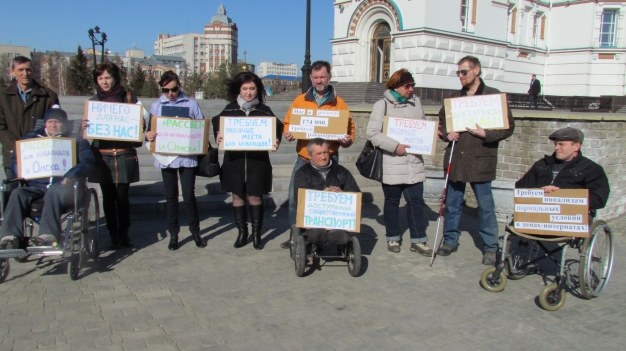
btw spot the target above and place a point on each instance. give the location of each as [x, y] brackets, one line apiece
[116, 206]
[487, 224]
[533, 99]
[58, 199]
[8, 172]
[293, 206]
[188, 183]
[414, 196]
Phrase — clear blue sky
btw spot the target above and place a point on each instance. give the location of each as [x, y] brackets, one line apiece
[269, 30]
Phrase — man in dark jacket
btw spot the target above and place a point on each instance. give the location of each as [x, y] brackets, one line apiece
[567, 168]
[58, 192]
[474, 161]
[21, 103]
[323, 173]
[533, 92]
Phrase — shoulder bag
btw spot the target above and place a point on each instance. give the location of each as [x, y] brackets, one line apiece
[370, 161]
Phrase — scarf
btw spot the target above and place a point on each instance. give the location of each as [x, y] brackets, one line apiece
[247, 106]
[398, 97]
[323, 171]
[115, 94]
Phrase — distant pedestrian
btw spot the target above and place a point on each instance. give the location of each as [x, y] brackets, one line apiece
[247, 174]
[174, 166]
[534, 91]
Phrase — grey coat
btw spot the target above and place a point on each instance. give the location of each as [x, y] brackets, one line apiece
[407, 169]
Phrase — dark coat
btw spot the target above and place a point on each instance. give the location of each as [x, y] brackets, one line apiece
[580, 173]
[474, 159]
[535, 88]
[17, 117]
[116, 167]
[85, 160]
[308, 177]
[246, 172]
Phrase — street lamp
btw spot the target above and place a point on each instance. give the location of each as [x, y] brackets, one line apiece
[306, 69]
[150, 80]
[245, 61]
[92, 35]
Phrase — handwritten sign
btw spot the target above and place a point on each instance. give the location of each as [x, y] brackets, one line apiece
[113, 121]
[179, 136]
[45, 157]
[562, 212]
[420, 134]
[248, 133]
[488, 111]
[329, 210]
[306, 123]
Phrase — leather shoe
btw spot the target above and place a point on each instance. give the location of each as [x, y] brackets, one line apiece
[198, 239]
[173, 242]
[125, 239]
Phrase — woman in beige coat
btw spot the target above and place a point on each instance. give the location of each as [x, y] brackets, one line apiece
[403, 173]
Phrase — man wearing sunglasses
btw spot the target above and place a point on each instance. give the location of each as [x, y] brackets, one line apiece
[474, 161]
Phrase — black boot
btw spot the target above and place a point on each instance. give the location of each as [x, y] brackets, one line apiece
[198, 239]
[242, 226]
[256, 213]
[173, 242]
[125, 239]
[115, 241]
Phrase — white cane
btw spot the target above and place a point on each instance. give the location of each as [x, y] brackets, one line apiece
[443, 201]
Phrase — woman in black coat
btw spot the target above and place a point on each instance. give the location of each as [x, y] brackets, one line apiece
[247, 174]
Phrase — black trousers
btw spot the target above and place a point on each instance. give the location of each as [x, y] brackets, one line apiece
[188, 184]
[116, 206]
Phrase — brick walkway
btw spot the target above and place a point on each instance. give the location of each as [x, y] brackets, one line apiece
[221, 298]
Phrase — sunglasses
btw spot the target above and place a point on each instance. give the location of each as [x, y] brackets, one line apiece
[463, 72]
[167, 90]
[409, 85]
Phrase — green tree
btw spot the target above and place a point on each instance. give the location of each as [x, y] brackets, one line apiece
[215, 85]
[137, 81]
[150, 89]
[124, 77]
[5, 66]
[193, 83]
[79, 74]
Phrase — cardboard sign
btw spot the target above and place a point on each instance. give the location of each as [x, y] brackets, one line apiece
[248, 133]
[179, 136]
[329, 210]
[45, 157]
[306, 123]
[113, 121]
[489, 111]
[420, 134]
[563, 212]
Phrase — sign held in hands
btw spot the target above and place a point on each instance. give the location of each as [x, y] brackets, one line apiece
[248, 133]
[420, 134]
[306, 123]
[179, 136]
[45, 157]
[329, 210]
[114, 121]
[488, 111]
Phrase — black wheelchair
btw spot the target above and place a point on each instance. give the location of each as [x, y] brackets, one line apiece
[520, 254]
[303, 251]
[79, 239]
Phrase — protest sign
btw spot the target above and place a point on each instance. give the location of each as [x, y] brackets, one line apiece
[179, 136]
[329, 210]
[563, 212]
[488, 111]
[113, 121]
[45, 157]
[248, 133]
[420, 134]
[307, 123]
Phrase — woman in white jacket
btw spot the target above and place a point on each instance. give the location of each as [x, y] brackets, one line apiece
[403, 173]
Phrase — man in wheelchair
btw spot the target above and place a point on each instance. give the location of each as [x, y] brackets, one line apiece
[567, 168]
[57, 192]
[322, 173]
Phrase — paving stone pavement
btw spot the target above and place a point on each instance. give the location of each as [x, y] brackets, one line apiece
[221, 298]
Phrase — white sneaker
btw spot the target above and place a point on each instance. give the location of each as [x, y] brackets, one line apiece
[422, 249]
[393, 246]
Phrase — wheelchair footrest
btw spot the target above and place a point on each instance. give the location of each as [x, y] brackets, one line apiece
[13, 253]
[44, 250]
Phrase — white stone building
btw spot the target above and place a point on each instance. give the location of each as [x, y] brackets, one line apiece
[575, 47]
[278, 69]
[203, 52]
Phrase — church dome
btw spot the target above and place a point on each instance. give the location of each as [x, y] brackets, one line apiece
[221, 16]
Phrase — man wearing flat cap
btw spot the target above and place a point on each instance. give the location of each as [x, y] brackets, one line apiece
[567, 168]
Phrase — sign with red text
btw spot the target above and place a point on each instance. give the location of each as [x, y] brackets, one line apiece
[329, 210]
[488, 111]
[308, 123]
[45, 157]
[179, 136]
[248, 133]
[113, 121]
[420, 134]
[564, 212]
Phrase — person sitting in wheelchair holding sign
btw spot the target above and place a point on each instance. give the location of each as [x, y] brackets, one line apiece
[322, 173]
[57, 192]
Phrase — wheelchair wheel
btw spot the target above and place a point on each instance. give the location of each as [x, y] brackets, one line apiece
[521, 251]
[549, 300]
[74, 265]
[5, 267]
[300, 253]
[596, 260]
[489, 283]
[292, 233]
[353, 256]
[91, 225]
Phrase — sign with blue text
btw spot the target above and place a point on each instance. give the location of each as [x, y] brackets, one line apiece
[248, 133]
[329, 210]
[488, 111]
[419, 134]
[308, 123]
[45, 157]
[563, 212]
[179, 136]
[113, 121]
